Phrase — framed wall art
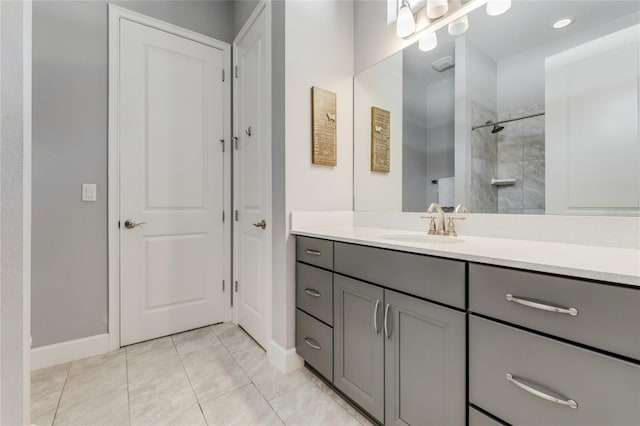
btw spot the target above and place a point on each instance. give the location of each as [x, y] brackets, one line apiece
[380, 140]
[323, 124]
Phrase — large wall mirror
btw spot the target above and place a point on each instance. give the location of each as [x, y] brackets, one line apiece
[531, 112]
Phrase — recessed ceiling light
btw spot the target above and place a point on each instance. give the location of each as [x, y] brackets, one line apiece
[561, 23]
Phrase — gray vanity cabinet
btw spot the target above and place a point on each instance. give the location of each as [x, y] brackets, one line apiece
[359, 343]
[424, 362]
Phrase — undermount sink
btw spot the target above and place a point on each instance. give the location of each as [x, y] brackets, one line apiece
[422, 238]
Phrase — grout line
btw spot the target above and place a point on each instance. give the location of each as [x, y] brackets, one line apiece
[126, 366]
[195, 395]
[66, 378]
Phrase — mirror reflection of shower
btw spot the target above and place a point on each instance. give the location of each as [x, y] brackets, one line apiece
[497, 127]
[508, 168]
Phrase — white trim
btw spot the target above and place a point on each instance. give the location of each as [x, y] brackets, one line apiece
[46, 356]
[286, 360]
[27, 34]
[265, 6]
[116, 14]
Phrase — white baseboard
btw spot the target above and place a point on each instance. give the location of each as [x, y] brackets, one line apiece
[59, 353]
[286, 360]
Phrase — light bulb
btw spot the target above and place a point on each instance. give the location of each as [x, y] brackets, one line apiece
[428, 41]
[406, 24]
[498, 7]
[459, 26]
[436, 8]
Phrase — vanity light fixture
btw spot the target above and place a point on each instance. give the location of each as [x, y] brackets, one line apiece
[561, 23]
[498, 7]
[406, 23]
[437, 8]
[459, 26]
[428, 41]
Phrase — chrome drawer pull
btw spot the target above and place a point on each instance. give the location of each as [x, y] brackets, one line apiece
[537, 305]
[386, 317]
[311, 292]
[567, 403]
[375, 317]
[313, 252]
[312, 343]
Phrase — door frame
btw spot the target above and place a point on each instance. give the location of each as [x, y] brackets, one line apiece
[116, 14]
[262, 7]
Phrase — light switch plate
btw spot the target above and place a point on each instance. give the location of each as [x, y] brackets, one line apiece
[88, 192]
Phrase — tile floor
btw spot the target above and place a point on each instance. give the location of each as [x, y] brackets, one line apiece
[214, 375]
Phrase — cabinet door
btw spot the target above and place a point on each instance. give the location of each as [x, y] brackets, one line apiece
[424, 362]
[359, 343]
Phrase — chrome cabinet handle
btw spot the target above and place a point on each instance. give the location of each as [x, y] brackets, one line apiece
[312, 343]
[129, 224]
[386, 318]
[313, 252]
[375, 317]
[537, 305]
[262, 224]
[566, 402]
[312, 292]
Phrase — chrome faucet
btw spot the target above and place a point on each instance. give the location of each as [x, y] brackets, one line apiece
[433, 229]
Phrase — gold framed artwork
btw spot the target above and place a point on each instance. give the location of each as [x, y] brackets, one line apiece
[323, 125]
[380, 140]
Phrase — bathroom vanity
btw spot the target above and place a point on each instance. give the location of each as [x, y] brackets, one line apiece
[424, 334]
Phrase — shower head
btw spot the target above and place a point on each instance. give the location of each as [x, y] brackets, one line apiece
[497, 128]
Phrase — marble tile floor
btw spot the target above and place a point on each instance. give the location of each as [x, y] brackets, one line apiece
[215, 375]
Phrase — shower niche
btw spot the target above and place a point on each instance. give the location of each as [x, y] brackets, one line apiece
[507, 118]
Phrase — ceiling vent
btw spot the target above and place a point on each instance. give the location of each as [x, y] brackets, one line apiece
[443, 64]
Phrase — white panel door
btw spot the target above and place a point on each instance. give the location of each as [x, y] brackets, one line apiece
[592, 126]
[253, 179]
[171, 112]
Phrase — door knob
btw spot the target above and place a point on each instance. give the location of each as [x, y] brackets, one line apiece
[129, 224]
[262, 224]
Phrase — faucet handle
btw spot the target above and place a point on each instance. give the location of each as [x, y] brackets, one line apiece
[451, 227]
[460, 208]
[433, 230]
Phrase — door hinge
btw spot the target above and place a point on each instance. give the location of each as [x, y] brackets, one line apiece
[236, 286]
[223, 215]
[223, 74]
[223, 144]
[118, 224]
[236, 215]
[236, 71]
[235, 142]
[223, 285]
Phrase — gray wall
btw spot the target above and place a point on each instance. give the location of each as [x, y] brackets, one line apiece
[69, 237]
[241, 11]
[440, 134]
[13, 365]
[278, 183]
[414, 142]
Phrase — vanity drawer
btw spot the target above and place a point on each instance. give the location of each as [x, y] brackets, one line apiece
[314, 292]
[478, 418]
[314, 343]
[607, 315]
[605, 389]
[440, 280]
[315, 252]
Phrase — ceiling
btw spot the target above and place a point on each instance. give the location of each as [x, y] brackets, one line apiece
[527, 25]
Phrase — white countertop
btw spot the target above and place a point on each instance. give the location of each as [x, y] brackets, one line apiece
[617, 265]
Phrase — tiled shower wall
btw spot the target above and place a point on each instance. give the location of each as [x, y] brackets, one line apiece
[484, 162]
[521, 156]
[515, 152]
